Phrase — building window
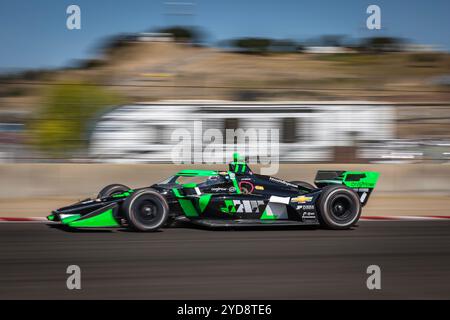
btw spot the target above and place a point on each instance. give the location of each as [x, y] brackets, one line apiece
[230, 124]
[289, 130]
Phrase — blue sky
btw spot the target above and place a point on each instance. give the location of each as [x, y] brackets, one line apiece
[33, 33]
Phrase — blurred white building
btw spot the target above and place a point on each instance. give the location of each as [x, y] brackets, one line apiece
[154, 37]
[308, 131]
[327, 49]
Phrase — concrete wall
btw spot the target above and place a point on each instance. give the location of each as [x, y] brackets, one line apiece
[81, 180]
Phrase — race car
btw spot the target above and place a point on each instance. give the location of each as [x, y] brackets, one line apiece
[232, 198]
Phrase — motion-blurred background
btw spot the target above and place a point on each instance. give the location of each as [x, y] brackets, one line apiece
[341, 95]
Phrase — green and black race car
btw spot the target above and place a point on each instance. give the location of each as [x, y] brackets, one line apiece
[237, 197]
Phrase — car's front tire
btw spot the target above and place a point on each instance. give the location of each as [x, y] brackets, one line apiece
[146, 210]
[112, 189]
[339, 207]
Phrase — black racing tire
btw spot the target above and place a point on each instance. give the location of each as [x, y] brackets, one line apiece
[146, 210]
[112, 189]
[339, 207]
[303, 184]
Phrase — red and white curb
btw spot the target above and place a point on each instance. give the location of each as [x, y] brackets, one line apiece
[363, 218]
[19, 219]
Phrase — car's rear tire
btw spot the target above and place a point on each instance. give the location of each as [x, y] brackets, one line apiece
[112, 189]
[146, 210]
[339, 207]
[303, 184]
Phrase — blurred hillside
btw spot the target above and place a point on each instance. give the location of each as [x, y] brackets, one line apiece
[144, 70]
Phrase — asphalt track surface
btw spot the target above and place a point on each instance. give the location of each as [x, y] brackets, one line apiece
[193, 263]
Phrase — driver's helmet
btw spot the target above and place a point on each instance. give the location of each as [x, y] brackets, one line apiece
[238, 165]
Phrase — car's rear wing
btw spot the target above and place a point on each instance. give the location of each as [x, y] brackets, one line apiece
[363, 182]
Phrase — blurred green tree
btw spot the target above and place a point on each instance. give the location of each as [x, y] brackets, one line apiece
[184, 34]
[382, 44]
[62, 124]
[252, 45]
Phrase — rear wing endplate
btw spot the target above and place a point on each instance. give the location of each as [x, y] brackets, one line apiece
[362, 182]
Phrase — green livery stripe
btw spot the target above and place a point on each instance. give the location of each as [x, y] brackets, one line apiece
[266, 216]
[203, 201]
[197, 173]
[186, 204]
[190, 185]
[121, 195]
[239, 167]
[105, 219]
[228, 207]
[176, 192]
[354, 179]
[188, 208]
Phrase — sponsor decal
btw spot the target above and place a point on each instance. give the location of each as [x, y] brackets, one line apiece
[243, 206]
[259, 187]
[308, 215]
[218, 189]
[246, 186]
[363, 197]
[301, 199]
[364, 193]
[232, 189]
[283, 182]
[307, 207]
[360, 184]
